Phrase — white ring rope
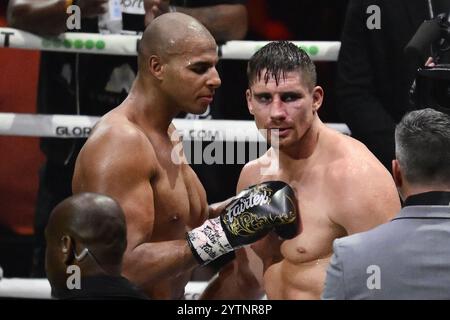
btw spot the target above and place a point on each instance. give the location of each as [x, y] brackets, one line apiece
[73, 126]
[317, 50]
[116, 44]
[25, 288]
[40, 288]
[95, 43]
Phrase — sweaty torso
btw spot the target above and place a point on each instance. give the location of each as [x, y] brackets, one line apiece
[179, 199]
[180, 205]
[301, 272]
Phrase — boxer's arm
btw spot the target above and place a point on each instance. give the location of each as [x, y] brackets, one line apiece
[243, 277]
[216, 209]
[365, 197]
[120, 165]
[48, 17]
[237, 280]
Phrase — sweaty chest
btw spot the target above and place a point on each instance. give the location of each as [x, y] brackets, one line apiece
[314, 199]
[180, 201]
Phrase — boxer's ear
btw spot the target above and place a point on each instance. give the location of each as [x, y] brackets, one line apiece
[155, 66]
[317, 95]
[248, 95]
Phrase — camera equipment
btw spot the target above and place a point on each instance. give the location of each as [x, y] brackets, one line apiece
[432, 85]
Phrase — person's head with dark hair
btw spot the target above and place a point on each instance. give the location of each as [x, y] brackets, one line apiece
[283, 95]
[177, 56]
[422, 147]
[276, 59]
[87, 230]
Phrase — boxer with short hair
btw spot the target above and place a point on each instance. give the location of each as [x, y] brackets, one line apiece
[87, 236]
[340, 186]
[129, 157]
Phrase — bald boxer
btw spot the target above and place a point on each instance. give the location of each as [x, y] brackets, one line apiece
[87, 231]
[129, 157]
[340, 186]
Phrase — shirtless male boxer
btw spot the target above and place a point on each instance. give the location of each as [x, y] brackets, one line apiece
[340, 186]
[128, 157]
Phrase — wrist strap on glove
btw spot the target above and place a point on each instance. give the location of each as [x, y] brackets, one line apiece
[208, 241]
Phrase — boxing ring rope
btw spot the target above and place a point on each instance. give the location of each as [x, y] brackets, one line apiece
[116, 44]
[70, 126]
[73, 126]
[79, 126]
[40, 288]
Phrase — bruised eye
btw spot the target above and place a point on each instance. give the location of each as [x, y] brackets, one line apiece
[263, 98]
[289, 97]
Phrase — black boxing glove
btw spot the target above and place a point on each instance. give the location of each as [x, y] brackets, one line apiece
[250, 216]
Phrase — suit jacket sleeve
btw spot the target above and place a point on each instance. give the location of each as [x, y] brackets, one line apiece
[334, 284]
[358, 101]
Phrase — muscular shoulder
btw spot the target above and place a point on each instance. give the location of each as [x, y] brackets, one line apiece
[362, 189]
[351, 162]
[253, 172]
[247, 176]
[117, 143]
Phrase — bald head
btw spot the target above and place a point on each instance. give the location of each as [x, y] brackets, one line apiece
[95, 221]
[169, 34]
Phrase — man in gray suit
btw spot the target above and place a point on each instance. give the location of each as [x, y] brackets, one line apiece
[409, 257]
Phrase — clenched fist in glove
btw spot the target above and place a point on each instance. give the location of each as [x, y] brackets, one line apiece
[251, 215]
